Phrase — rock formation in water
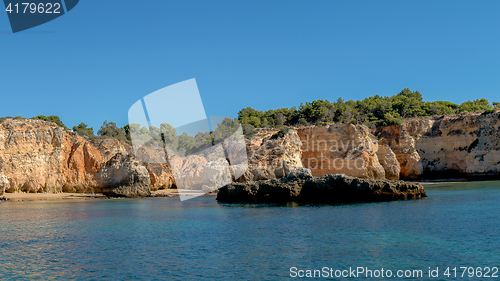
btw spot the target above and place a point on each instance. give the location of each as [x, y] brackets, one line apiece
[301, 186]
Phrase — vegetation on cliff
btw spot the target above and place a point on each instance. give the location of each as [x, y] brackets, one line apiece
[371, 111]
[375, 110]
[83, 130]
[181, 142]
[52, 118]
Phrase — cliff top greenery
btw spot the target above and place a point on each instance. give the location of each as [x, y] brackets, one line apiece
[372, 111]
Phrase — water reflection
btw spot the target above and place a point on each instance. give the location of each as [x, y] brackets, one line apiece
[159, 238]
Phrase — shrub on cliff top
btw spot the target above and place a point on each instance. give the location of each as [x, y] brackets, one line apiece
[474, 106]
[489, 111]
[52, 118]
[280, 134]
[248, 130]
[83, 130]
[110, 130]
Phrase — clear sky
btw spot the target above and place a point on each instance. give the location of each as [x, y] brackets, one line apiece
[93, 63]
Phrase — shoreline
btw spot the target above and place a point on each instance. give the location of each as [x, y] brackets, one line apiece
[454, 180]
[163, 193]
[21, 196]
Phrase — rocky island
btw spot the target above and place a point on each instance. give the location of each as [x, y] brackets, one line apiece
[300, 186]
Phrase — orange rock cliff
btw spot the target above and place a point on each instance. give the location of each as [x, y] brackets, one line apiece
[39, 156]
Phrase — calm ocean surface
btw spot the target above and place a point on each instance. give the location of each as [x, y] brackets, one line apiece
[163, 238]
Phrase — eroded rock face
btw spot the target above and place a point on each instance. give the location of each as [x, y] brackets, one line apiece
[464, 145]
[341, 149]
[215, 174]
[403, 145]
[124, 176]
[39, 156]
[387, 158]
[270, 157]
[110, 147]
[155, 160]
[4, 182]
[188, 171]
[330, 189]
[195, 172]
[483, 157]
[161, 176]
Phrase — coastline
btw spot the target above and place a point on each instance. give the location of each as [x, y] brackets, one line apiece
[21, 196]
[455, 180]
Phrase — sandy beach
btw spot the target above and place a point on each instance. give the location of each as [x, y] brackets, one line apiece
[69, 196]
[49, 196]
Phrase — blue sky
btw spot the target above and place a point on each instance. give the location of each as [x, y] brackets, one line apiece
[93, 63]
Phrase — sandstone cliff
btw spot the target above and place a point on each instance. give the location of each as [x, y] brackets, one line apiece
[388, 159]
[39, 156]
[4, 182]
[271, 155]
[345, 149]
[402, 144]
[464, 145]
[124, 176]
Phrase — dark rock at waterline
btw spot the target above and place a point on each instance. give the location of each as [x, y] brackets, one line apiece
[301, 186]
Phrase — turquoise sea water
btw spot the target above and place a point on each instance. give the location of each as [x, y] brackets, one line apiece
[163, 238]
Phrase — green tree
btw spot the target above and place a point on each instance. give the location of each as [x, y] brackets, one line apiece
[476, 105]
[373, 110]
[168, 132]
[110, 130]
[186, 143]
[83, 130]
[248, 130]
[280, 119]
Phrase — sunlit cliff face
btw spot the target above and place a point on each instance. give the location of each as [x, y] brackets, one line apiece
[446, 146]
[39, 156]
[341, 149]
